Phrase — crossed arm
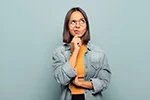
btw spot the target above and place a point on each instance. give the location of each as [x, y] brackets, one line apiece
[83, 84]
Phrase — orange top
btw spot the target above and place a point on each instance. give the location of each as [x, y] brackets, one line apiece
[80, 70]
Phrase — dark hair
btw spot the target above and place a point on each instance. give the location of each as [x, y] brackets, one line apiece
[67, 37]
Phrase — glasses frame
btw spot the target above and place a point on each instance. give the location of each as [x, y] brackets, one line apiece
[73, 23]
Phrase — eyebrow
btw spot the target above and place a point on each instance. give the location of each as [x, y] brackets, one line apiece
[79, 19]
[82, 18]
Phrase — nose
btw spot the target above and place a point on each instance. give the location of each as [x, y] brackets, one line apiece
[77, 25]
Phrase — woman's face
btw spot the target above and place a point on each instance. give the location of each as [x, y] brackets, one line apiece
[77, 24]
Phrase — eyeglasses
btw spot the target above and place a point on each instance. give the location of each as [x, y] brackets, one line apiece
[81, 22]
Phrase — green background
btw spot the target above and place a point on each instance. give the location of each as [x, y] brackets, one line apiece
[31, 29]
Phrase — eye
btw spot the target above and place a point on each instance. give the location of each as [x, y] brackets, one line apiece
[73, 22]
[82, 21]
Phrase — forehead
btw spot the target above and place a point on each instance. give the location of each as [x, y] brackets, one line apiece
[76, 15]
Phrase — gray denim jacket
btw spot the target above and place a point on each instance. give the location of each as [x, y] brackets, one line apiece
[96, 68]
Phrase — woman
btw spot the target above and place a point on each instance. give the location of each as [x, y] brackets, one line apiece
[79, 66]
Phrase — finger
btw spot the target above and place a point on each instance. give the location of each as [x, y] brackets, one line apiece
[74, 39]
[76, 36]
[79, 36]
[77, 41]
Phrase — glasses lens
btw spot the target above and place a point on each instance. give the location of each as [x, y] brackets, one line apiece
[81, 23]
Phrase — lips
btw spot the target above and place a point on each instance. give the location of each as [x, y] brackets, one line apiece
[76, 31]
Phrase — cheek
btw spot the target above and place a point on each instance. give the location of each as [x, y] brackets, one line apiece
[71, 31]
[84, 30]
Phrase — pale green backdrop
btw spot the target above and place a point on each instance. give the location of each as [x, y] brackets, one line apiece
[31, 29]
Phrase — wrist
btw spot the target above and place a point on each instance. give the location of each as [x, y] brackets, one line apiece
[75, 52]
[80, 83]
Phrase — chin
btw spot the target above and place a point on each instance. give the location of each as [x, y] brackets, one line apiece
[78, 34]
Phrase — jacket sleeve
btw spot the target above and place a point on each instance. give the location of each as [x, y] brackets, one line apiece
[63, 72]
[102, 79]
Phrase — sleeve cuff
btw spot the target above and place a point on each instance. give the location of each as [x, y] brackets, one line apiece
[97, 85]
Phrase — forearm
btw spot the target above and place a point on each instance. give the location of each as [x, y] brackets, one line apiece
[73, 58]
[86, 84]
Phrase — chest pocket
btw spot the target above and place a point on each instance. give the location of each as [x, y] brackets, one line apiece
[95, 65]
[95, 60]
[92, 70]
